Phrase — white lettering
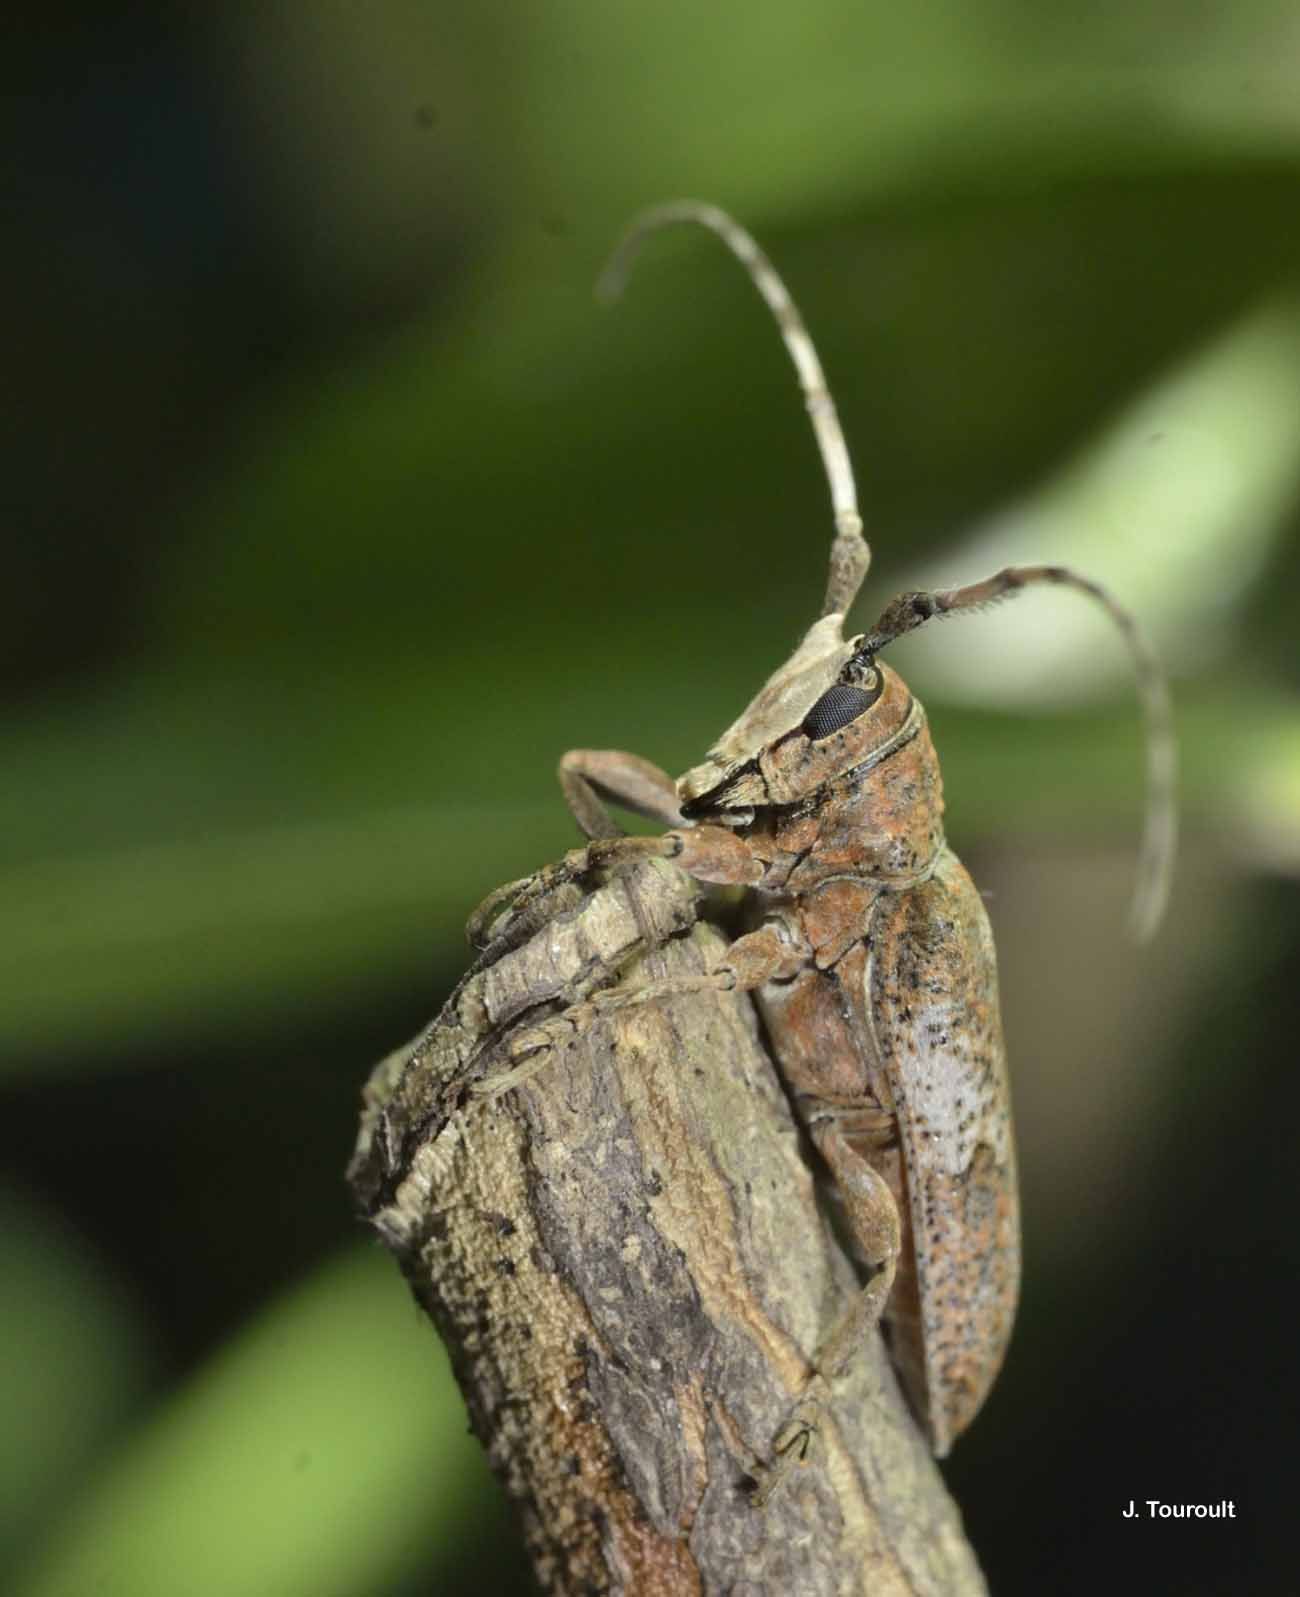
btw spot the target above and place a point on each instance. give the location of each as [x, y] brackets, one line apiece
[1224, 1509]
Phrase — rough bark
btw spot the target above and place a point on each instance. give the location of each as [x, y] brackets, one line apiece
[627, 1262]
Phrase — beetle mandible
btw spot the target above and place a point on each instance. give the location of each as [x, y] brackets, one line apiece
[869, 954]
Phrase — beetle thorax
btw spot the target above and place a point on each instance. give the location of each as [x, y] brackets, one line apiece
[881, 822]
[863, 799]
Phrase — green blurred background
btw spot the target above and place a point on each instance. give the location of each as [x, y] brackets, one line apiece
[335, 511]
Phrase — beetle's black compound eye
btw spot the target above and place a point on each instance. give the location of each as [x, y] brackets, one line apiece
[840, 704]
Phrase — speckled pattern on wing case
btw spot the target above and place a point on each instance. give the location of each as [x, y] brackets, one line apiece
[931, 1002]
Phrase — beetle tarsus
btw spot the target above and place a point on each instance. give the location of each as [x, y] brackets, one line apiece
[794, 1445]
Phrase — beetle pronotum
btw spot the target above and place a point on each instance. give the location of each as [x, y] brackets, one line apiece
[868, 953]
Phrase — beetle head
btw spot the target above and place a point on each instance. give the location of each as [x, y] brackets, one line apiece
[815, 720]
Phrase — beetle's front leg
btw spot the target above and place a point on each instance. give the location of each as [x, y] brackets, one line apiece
[708, 853]
[872, 1217]
[510, 914]
[589, 778]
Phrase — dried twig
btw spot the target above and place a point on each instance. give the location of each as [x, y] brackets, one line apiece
[626, 1261]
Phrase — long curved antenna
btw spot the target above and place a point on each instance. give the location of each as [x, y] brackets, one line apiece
[1160, 829]
[850, 553]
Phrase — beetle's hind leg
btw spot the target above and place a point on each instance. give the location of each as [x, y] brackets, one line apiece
[876, 1231]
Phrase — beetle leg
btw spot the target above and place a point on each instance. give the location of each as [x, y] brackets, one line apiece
[515, 900]
[588, 778]
[709, 853]
[750, 961]
[591, 776]
[872, 1217]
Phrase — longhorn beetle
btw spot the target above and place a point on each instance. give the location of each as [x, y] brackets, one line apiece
[869, 954]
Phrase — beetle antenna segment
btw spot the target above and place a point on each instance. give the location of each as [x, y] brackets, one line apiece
[1160, 831]
[850, 553]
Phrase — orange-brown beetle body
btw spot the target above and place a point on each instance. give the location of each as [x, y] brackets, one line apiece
[867, 953]
[890, 1044]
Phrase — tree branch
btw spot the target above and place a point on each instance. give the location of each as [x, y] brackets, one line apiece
[626, 1261]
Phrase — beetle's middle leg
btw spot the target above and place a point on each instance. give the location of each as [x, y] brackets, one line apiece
[876, 1232]
[749, 962]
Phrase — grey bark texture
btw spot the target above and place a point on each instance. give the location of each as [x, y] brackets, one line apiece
[626, 1260]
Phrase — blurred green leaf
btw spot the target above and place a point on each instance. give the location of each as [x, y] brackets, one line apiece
[324, 1452]
[1180, 504]
[72, 1362]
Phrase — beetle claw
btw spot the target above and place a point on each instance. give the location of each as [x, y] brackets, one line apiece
[794, 1445]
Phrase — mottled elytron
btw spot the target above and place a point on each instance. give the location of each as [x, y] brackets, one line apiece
[869, 954]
